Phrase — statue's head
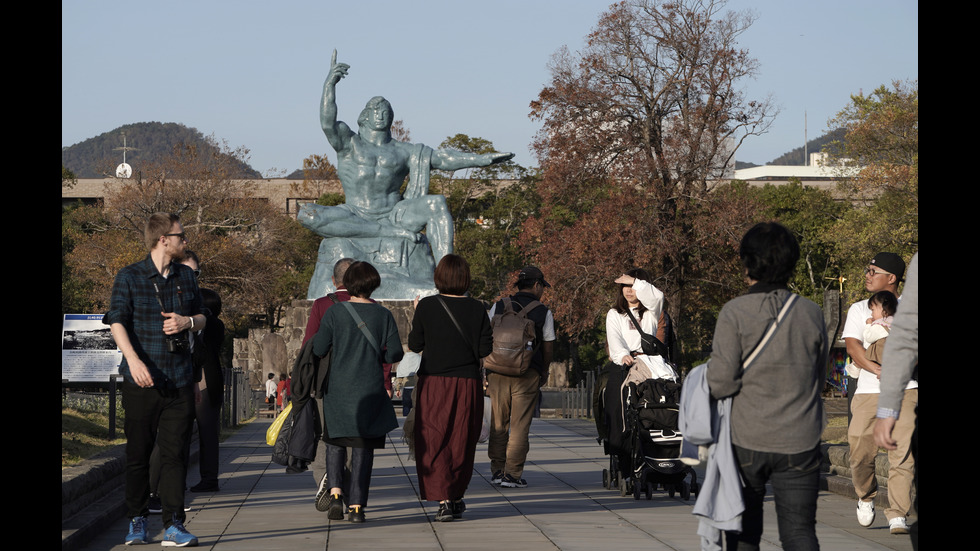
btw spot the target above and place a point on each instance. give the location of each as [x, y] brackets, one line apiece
[377, 114]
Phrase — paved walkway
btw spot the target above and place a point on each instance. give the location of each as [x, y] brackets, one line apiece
[564, 507]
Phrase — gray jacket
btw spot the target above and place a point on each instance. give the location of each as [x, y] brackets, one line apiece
[776, 405]
[902, 347]
[705, 422]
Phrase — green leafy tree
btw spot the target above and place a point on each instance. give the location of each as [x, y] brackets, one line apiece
[809, 213]
[488, 206]
[881, 143]
[488, 236]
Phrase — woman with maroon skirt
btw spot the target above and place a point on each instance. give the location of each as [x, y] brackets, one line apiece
[454, 333]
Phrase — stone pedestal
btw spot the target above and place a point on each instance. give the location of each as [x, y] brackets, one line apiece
[264, 352]
[406, 266]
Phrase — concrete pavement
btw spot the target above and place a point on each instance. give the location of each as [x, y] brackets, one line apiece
[261, 507]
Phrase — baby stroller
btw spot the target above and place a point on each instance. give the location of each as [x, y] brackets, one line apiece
[654, 442]
[636, 418]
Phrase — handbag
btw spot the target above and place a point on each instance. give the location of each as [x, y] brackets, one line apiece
[273, 432]
[651, 345]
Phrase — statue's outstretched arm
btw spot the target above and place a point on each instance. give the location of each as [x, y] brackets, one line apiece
[337, 132]
[450, 159]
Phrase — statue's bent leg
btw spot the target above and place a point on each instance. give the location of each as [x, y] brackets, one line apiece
[432, 213]
[337, 221]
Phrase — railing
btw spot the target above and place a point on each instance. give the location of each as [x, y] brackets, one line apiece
[577, 402]
[239, 404]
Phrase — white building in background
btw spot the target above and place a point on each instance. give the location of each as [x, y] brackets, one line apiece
[817, 174]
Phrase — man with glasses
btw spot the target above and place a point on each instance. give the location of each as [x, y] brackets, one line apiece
[155, 304]
[884, 273]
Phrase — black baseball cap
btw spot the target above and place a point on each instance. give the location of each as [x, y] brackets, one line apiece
[531, 272]
[891, 263]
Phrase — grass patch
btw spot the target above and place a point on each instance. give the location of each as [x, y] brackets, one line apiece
[85, 428]
[86, 433]
[840, 421]
[836, 430]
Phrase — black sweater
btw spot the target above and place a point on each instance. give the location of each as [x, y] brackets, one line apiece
[446, 352]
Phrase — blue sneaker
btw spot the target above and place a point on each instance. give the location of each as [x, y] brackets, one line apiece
[137, 532]
[178, 536]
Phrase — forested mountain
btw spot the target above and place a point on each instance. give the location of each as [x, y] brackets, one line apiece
[796, 158]
[97, 157]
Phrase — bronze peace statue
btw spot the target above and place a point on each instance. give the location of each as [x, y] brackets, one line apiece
[377, 224]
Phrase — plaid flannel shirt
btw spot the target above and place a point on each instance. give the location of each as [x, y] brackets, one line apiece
[137, 293]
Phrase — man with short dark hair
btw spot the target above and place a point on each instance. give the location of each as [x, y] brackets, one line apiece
[513, 399]
[883, 274]
[155, 304]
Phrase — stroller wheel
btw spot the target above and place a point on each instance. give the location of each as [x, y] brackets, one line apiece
[685, 491]
[605, 479]
[695, 488]
[670, 489]
[650, 490]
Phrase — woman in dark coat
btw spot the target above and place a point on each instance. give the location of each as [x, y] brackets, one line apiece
[449, 410]
[208, 410]
[357, 411]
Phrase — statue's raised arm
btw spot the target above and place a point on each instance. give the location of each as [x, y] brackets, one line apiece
[338, 133]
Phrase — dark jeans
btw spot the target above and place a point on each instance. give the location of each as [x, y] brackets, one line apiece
[356, 482]
[795, 480]
[164, 418]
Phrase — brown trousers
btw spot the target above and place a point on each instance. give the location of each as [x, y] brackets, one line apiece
[512, 401]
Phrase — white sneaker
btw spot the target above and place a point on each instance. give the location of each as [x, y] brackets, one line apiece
[897, 526]
[866, 512]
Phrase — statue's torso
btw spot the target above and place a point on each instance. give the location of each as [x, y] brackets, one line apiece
[371, 174]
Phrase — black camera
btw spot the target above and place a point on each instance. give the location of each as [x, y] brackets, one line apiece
[178, 344]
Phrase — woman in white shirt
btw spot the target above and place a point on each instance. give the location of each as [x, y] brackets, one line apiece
[638, 296]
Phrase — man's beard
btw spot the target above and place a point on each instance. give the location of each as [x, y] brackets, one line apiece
[177, 255]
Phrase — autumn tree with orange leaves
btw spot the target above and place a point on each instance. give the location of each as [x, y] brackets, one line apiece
[257, 258]
[637, 128]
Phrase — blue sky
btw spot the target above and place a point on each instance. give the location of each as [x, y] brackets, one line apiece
[251, 72]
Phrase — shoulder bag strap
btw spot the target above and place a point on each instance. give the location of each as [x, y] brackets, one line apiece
[363, 327]
[458, 328]
[771, 331]
[660, 346]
